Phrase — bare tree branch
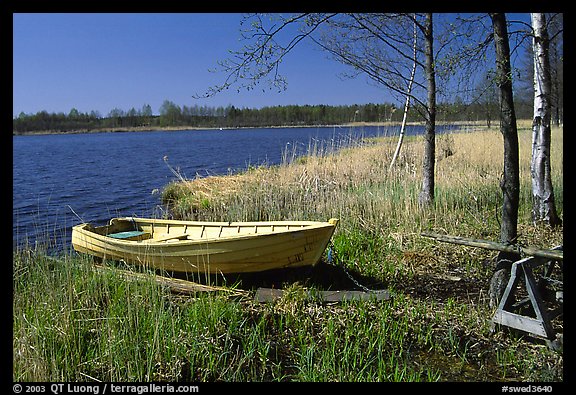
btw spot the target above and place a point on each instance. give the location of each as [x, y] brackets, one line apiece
[262, 56]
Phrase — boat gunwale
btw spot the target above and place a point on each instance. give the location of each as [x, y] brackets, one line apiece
[306, 226]
[221, 223]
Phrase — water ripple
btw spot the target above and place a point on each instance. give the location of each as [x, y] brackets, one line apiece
[62, 180]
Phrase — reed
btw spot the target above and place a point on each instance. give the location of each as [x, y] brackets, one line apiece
[354, 184]
[72, 322]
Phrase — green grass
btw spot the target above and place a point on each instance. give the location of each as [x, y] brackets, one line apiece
[74, 322]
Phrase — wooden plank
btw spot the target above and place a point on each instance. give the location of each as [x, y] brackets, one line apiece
[171, 237]
[272, 294]
[536, 299]
[339, 296]
[267, 294]
[539, 326]
[491, 245]
[175, 285]
[523, 323]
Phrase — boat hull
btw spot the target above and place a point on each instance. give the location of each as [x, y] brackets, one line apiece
[207, 248]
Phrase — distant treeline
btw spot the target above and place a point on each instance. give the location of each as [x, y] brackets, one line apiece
[172, 115]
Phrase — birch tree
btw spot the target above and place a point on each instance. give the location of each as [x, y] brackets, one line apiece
[510, 182]
[426, 196]
[543, 203]
[555, 24]
[409, 91]
[378, 46]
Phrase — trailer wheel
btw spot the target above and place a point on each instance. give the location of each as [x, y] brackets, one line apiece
[498, 285]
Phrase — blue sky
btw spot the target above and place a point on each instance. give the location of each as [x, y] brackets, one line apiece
[105, 61]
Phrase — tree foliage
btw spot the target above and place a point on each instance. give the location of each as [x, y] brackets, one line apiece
[232, 117]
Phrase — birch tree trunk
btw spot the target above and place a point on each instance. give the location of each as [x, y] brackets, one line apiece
[407, 104]
[543, 203]
[427, 193]
[510, 183]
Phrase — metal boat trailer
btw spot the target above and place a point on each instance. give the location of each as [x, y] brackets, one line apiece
[535, 272]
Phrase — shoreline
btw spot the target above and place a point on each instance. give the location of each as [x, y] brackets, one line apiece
[194, 128]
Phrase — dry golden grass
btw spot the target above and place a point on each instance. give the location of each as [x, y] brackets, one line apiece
[380, 219]
[356, 185]
[95, 326]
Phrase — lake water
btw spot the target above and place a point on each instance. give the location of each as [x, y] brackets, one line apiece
[62, 180]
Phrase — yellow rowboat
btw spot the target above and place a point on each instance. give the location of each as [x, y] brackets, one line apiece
[206, 247]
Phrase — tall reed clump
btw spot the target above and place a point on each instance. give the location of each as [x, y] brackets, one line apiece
[379, 233]
[354, 184]
[72, 321]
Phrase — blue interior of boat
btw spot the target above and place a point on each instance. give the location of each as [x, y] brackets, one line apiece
[126, 235]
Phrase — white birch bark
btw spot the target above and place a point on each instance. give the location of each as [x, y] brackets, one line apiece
[407, 104]
[543, 205]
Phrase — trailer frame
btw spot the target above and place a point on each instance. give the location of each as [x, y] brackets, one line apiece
[509, 311]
